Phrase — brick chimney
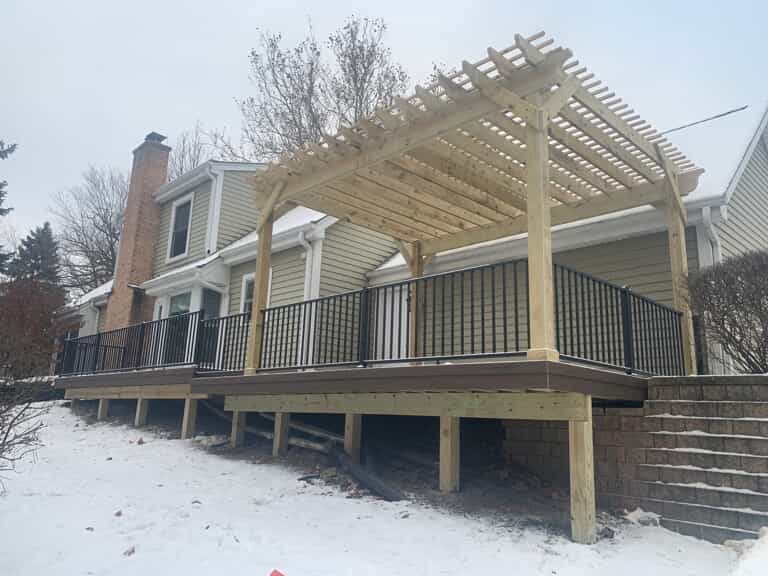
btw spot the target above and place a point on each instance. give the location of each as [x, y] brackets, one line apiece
[127, 304]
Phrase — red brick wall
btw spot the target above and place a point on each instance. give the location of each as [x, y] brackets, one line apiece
[136, 252]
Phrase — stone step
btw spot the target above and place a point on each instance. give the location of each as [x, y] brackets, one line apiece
[735, 443]
[749, 389]
[720, 477]
[721, 409]
[746, 521]
[704, 494]
[709, 424]
[707, 459]
[714, 534]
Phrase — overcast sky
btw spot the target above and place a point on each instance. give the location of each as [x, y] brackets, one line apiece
[82, 82]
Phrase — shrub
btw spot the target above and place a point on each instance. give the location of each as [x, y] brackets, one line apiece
[731, 298]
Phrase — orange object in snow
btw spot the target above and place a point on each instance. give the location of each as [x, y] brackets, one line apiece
[276, 573]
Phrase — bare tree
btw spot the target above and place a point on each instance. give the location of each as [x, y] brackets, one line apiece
[364, 75]
[299, 97]
[191, 148]
[20, 423]
[89, 218]
[732, 300]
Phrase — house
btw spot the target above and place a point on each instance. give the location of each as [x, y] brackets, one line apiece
[548, 233]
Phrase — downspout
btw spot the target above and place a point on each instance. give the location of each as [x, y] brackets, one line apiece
[304, 243]
[712, 235]
[725, 364]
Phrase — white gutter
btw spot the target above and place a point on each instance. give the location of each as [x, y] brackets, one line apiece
[308, 261]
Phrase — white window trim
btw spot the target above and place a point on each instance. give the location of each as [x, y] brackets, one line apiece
[250, 276]
[182, 200]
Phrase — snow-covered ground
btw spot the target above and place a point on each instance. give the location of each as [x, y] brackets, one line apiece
[96, 501]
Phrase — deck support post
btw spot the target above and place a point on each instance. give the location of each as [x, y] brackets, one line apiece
[237, 436]
[260, 291]
[582, 473]
[676, 218]
[74, 405]
[282, 427]
[540, 291]
[353, 427]
[142, 409]
[103, 410]
[190, 417]
[450, 454]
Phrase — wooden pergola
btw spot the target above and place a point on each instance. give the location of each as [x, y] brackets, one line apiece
[517, 142]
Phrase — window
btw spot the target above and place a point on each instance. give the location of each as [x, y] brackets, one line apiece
[246, 301]
[182, 211]
[179, 304]
[211, 304]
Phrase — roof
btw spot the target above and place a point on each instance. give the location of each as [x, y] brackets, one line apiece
[94, 294]
[285, 235]
[202, 173]
[455, 163]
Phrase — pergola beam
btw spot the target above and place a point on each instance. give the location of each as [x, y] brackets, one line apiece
[649, 193]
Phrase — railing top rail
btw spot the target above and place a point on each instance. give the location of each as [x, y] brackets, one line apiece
[137, 325]
[615, 286]
[654, 302]
[448, 273]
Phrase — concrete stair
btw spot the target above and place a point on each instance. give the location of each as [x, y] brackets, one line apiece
[705, 468]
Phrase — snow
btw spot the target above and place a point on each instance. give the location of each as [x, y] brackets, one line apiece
[102, 290]
[186, 511]
[754, 561]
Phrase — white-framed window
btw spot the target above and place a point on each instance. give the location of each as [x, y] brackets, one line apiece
[180, 304]
[246, 291]
[181, 220]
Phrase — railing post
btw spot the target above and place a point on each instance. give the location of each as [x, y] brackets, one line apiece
[627, 329]
[198, 339]
[96, 352]
[362, 350]
[140, 346]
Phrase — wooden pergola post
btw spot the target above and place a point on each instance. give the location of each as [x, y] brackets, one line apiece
[540, 291]
[260, 293]
[676, 217]
[415, 260]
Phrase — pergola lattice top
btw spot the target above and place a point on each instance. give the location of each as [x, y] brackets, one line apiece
[446, 167]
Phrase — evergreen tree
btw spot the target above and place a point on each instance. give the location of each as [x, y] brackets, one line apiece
[37, 258]
[5, 151]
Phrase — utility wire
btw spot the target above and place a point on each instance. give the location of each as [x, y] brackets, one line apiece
[715, 117]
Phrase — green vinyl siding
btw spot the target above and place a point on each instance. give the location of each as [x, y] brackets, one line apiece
[197, 233]
[745, 229]
[238, 207]
[287, 279]
[350, 252]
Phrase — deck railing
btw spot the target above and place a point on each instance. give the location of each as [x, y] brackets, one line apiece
[477, 312]
[171, 341]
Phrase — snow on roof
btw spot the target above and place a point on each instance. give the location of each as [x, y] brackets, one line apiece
[102, 290]
[299, 216]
